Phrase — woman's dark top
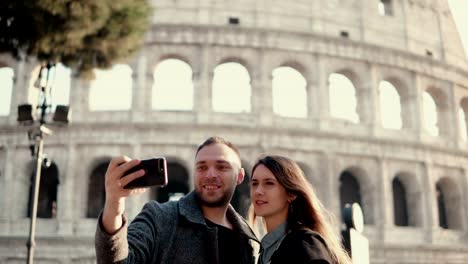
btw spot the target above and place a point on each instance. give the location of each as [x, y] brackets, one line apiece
[302, 245]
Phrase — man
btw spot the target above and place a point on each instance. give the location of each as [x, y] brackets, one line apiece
[199, 228]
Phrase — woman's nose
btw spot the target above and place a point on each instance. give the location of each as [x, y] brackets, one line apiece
[258, 190]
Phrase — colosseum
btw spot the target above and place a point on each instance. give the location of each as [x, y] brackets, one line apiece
[370, 97]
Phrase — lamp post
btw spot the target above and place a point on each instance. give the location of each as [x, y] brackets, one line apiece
[355, 242]
[36, 135]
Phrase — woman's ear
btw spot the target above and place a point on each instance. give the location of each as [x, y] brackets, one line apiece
[292, 197]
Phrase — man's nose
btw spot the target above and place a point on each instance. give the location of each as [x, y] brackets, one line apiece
[211, 172]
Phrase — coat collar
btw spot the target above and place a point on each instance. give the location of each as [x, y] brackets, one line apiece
[190, 209]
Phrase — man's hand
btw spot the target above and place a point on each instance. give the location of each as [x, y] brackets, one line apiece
[115, 192]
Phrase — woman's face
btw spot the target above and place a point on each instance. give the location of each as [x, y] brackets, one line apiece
[269, 197]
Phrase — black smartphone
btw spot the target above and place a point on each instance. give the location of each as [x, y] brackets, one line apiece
[155, 174]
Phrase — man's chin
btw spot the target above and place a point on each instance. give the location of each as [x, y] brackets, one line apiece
[212, 201]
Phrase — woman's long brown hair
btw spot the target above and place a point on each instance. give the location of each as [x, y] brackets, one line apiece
[307, 210]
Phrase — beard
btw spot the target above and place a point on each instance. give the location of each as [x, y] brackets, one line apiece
[221, 201]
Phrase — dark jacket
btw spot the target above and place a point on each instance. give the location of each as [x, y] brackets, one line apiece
[302, 245]
[172, 232]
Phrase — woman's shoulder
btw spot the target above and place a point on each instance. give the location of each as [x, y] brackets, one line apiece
[303, 245]
[307, 236]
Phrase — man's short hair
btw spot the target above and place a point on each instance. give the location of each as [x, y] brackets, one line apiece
[218, 140]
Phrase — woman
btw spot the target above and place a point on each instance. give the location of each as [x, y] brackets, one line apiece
[297, 226]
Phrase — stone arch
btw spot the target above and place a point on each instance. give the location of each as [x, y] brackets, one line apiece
[412, 198]
[173, 92]
[391, 104]
[355, 188]
[442, 110]
[386, 8]
[345, 80]
[164, 53]
[309, 174]
[400, 205]
[313, 177]
[7, 75]
[33, 92]
[48, 188]
[351, 75]
[296, 65]
[289, 85]
[96, 189]
[178, 181]
[401, 86]
[176, 56]
[100, 89]
[463, 118]
[60, 92]
[236, 59]
[449, 204]
[225, 87]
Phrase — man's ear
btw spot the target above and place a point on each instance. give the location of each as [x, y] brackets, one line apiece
[240, 176]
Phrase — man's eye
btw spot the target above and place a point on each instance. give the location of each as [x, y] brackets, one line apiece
[223, 167]
[254, 183]
[270, 183]
[201, 168]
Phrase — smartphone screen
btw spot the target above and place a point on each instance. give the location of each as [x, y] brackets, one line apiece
[155, 174]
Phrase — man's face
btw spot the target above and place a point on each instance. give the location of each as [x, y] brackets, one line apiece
[217, 172]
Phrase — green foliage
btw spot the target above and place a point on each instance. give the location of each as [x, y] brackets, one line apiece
[81, 34]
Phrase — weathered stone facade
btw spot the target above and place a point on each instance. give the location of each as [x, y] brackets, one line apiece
[417, 48]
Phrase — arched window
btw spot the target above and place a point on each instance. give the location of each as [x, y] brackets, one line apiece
[96, 190]
[385, 7]
[350, 190]
[112, 89]
[430, 115]
[48, 187]
[241, 198]
[343, 102]
[289, 93]
[231, 88]
[177, 185]
[390, 106]
[462, 118]
[6, 87]
[173, 86]
[309, 174]
[61, 87]
[441, 207]
[449, 204]
[400, 208]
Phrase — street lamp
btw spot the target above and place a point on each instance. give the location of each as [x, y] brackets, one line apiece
[355, 242]
[36, 135]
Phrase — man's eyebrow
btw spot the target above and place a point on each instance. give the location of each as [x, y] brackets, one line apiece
[218, 161]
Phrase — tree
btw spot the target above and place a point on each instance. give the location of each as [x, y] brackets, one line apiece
[81, 34]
